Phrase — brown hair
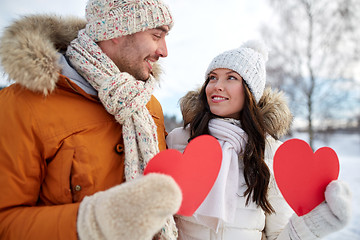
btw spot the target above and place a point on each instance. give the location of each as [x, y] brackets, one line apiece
[256, 171]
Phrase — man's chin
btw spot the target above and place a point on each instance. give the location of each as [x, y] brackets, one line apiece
[146, 76]
[141, 76]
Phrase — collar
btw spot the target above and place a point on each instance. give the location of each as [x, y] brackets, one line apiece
[74, 76]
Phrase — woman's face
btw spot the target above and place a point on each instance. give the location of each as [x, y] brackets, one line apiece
[225, 93]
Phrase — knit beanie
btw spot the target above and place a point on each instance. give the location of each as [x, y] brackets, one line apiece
[248, 61]
[108, 19]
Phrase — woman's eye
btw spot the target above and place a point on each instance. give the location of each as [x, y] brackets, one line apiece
[212, 78]
[232, 78]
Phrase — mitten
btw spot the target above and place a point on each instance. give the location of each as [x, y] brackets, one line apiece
[133, 210]
[330, 216]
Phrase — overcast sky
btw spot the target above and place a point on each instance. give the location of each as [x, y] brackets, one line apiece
[202, 29]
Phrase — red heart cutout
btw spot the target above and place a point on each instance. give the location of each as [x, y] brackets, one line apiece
[195, 171]
[302, 176]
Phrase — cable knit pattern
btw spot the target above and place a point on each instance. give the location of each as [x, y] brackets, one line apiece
[109, 19]
[124, 97]
[126, 100]
[249, 61]
[331, 215]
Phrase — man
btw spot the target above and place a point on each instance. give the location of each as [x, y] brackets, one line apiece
[63, 157]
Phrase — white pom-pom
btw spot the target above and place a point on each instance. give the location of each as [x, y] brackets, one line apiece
[258, 46]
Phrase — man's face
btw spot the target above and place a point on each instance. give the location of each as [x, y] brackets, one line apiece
[136, 53]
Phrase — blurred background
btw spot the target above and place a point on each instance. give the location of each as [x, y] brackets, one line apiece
[314, 59]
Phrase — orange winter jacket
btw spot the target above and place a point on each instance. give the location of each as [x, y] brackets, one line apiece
[54, 151]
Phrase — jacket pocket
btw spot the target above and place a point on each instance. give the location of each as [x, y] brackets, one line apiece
[56, 188]
[83, 174]
[69, 177]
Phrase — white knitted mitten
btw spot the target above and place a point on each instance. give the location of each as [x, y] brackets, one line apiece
[132, 210]
[330, 216]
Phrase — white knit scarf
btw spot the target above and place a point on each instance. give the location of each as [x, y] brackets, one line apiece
[124, 97]
[220, 203]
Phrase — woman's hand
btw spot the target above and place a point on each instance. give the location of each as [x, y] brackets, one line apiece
[330, 216]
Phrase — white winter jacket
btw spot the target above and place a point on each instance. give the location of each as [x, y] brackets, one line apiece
[251, 222]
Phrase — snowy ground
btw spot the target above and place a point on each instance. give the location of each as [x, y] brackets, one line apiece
[347, 147]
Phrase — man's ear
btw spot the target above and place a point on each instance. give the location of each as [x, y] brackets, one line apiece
[115, 40]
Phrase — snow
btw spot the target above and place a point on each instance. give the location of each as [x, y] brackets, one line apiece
[347, 147]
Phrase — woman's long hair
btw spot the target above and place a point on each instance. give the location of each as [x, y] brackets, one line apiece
[256, 172]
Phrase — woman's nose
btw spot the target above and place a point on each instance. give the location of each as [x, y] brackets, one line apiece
[219, 85]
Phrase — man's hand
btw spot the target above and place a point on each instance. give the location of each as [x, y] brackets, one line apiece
[132, 210]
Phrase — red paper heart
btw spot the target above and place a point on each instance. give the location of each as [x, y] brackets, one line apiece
[195, 171]
[302, 176]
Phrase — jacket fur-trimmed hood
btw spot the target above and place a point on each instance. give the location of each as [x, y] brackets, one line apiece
[273, 105]
[29, 49]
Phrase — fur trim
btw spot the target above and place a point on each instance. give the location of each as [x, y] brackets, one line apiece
[187, 107]
[277, 115]
[29, 50]
[274, 108]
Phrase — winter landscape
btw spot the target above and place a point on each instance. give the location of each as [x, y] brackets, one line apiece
[205, 28]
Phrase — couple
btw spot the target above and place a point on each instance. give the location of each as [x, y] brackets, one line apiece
[80, 124]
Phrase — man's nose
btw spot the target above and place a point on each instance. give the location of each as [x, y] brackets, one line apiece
[161, 51]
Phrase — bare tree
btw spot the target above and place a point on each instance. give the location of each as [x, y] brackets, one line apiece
[314, 49]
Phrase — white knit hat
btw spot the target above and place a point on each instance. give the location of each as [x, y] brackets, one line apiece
[248, 61]
[108, 19]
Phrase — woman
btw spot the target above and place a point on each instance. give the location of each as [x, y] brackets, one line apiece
[245, 202]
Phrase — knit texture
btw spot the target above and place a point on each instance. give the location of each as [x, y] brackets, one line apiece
[109, 19]
[248, 61]
[112, 214]
[124, 97]
[331, 215]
